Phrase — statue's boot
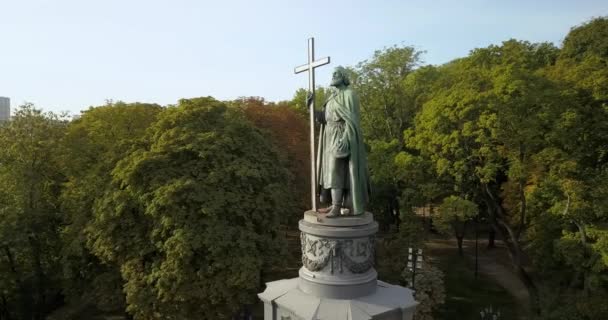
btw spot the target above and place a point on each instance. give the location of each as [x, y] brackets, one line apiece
[347, 207]
[348, 211]
[336, 199]
[334, 211]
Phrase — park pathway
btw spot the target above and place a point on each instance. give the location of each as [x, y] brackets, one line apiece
[493, 263]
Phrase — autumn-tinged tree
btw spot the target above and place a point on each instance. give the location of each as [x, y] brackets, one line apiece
[289, 132]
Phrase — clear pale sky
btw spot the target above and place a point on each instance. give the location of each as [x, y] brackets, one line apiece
[67, 55]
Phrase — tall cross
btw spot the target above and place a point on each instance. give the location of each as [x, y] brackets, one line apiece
[310, 67]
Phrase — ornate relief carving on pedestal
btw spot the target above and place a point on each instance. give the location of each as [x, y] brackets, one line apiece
[355, 255]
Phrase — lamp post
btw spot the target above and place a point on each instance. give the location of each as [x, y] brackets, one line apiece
[414, 262]
[476, 247]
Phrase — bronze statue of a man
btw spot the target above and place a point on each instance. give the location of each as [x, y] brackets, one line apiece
[341, 156]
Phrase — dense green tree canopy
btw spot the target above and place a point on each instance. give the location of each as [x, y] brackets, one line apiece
[91, 147]
[30, 246]
[590, 38]
[191, 216]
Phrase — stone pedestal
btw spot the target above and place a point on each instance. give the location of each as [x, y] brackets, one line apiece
[337, 279]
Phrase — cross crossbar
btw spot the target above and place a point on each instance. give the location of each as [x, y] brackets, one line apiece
[315, 64]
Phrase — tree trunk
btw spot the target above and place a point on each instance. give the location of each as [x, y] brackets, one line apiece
[491, 238]
[522, 195]
[397, 209]
[522, 213]
[11, 263]
[39, 287]
[459, 239]
[23, 300]
[459, 232]
[496, 214]
[583, 235]
[5, 313]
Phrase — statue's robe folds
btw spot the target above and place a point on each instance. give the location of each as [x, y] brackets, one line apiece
[341, 156]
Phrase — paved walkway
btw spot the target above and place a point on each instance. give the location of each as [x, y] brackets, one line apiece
[493, 263]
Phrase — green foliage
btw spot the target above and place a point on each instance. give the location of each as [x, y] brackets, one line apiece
[29, 218]
[567, 237]
[568, 245]
[429, 290]
[590, 38]
[488, 109]
[390, 92]
[387, 107]
[298, 102]
[384, 202]
[453, 212]
[90, 149]
[394, 254]
[486, 126]
[191, 217]
[582, 68]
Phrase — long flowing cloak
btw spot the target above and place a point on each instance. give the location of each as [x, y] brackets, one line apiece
[357, 161]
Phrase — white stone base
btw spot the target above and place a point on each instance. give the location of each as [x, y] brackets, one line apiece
[283, 300]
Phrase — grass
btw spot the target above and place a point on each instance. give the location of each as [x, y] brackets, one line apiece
[467, 296]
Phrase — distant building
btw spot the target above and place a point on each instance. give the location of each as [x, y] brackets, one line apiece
[5, 109]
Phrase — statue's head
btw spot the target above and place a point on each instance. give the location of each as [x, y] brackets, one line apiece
[340, 77]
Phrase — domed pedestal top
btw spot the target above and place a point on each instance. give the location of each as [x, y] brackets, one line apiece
[284, 299]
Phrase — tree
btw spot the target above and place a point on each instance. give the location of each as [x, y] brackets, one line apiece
[590, 38]
[288, 130]
[90, 149]
[191, 216]
[298, 102]
[388, 94]
[484, 126]
[568, 238]
[583, 59]
[453, 216]
[387, 108]
[29, 214]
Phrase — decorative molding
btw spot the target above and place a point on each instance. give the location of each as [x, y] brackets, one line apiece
[338, 254]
